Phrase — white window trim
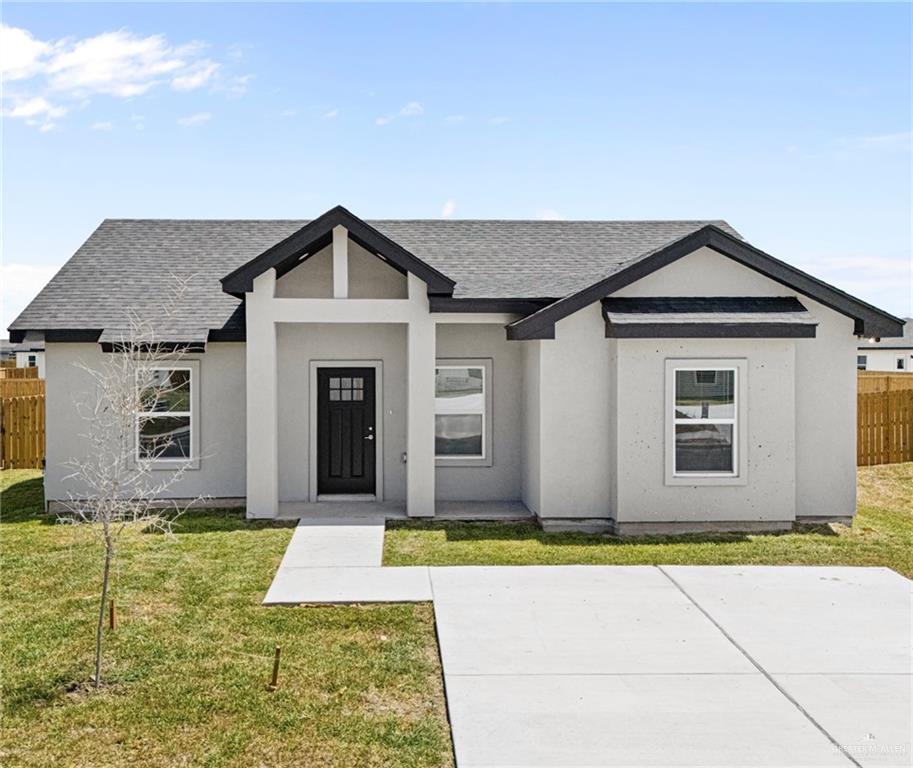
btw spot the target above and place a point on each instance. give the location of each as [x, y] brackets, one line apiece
[739, 423]
[485, 460]
[193, 461]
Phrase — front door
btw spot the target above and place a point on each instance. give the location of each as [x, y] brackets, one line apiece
[346, 439]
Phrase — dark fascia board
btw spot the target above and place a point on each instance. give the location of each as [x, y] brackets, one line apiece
[869, 320]
[164, 346]
[702, 304]
[512, 306]
[710, 330]
[59, 335]
[286, 253]
[226, 334]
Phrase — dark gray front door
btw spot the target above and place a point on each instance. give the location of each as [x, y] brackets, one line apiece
[346, 435]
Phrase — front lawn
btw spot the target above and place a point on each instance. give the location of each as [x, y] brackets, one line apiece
[190, 659]
[882, 534]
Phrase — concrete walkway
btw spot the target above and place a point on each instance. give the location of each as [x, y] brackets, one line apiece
[336, 557]
[643, 666]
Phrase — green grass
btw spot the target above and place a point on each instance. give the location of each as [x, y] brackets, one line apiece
[190, 659]
[882, 534]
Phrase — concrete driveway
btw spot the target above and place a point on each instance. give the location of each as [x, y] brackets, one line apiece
[676, 666]
[643, 666]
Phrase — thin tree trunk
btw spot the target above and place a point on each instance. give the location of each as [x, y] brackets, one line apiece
[101, 608]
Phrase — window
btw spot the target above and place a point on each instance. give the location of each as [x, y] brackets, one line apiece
[32, 361]
[165, 422]
[461, 408]
[346, 388]
[862, 362]
[705, 421]
[901, 364]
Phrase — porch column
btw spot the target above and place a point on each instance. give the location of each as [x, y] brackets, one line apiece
[262, 400]
[420, 415]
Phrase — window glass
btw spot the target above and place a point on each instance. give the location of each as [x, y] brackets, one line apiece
[459, 404]
[901, 364]
[862, 361]
[704, 394]
[164, 423]
[704, 414]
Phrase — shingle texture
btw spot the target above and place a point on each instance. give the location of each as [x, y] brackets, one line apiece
[129, 263]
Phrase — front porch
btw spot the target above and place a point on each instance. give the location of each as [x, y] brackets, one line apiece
[456, 511]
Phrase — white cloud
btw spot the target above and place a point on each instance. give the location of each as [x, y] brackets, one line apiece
[196, 76]
[102, 126]
[329, 115]
[118, 63]
[198, 119]
[455, 118]
[412, 109]
[499, 120]
[288, 113]
[37, 106]
[383, 120]
[550, 214]
[448, 209]
[22, 55]
[19, 283]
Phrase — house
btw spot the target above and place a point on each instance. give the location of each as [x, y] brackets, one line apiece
[24, 355]
[890, 354]
[635, 376]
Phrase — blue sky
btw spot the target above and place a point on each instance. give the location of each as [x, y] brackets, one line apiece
[792, 122]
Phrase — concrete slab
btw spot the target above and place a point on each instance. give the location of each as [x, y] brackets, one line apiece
[573, 620]
[337, 540]
[630, 720]
[806, 619]
[293, 586]
[868, 715]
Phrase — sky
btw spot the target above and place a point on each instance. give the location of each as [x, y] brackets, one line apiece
[790, 121]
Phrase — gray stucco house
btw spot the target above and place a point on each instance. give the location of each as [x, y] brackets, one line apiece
[636, 376]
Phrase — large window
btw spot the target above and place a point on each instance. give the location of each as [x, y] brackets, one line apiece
[705, 419]
[165, 423]
[461, 404]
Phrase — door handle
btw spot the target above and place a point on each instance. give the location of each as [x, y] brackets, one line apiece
[369, 437]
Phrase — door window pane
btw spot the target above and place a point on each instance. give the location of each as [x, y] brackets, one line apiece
[703, 448]
[458, 435]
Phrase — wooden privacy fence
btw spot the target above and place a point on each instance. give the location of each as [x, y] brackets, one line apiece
[884, 427]
[22, 430]
[876, 381]
[21, 387]
[18, 373]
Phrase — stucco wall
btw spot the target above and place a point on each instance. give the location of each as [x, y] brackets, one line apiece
[502, 480]
[530, 488]
[770, 490]
[575, 442]
[298, 344]
[220, 421]
[823, 377]
[312, 279]
[369, 277]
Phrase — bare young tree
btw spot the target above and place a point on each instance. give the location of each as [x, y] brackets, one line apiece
[135, 446]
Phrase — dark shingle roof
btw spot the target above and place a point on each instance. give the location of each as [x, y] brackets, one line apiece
[128, 263]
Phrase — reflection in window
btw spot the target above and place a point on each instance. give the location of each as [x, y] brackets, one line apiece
[705, 421]
[164, 421]
[459, 405]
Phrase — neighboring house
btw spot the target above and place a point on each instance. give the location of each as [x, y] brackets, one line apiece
[639, 376]
[25, 355]
[890, 354]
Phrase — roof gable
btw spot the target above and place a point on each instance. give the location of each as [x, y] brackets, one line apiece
[315, 235]
[868, 319]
